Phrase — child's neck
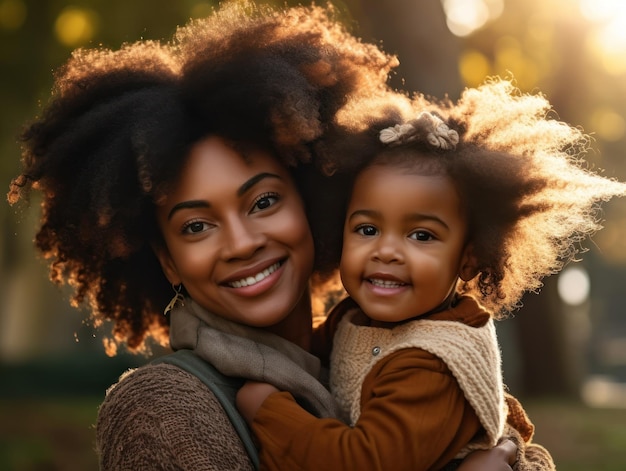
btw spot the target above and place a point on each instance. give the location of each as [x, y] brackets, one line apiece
[447, 303]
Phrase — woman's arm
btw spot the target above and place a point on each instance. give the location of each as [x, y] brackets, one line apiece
[500, 458]
[160, 417]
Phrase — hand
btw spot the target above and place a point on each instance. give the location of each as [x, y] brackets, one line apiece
[500, 458]
[250, 397]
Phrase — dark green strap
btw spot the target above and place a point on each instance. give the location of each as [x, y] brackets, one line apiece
[223, 387]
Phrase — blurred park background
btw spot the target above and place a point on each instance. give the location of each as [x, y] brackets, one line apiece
[564, 351]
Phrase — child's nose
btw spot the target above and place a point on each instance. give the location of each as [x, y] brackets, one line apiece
[388, 250]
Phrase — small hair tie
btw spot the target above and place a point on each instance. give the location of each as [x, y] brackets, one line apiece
[428, 126]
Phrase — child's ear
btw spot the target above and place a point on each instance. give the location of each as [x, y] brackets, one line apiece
[167, 264]
[468, 268]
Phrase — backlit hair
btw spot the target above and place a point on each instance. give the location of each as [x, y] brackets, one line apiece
[120, 123]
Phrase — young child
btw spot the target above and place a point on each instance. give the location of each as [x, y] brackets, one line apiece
[448, 224]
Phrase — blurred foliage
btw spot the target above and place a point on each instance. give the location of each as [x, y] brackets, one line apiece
[544, 45]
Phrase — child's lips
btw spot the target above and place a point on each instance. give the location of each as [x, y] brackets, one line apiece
[386, 283]
[385, 280]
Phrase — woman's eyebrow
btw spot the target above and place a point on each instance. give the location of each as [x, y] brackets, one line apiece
[188, 205]
[192, 204]
[254, 180]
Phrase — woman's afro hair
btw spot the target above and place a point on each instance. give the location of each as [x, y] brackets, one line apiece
[120, 123]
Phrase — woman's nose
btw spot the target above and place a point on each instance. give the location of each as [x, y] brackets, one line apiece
[242, 239]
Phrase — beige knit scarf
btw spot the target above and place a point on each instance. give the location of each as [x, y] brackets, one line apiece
[238, 350]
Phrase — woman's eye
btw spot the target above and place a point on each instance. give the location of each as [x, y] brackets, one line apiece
[265, 201]
[195, 227]
[367, 230]
[422, 236]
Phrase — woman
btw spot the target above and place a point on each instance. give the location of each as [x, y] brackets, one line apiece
[197, 165]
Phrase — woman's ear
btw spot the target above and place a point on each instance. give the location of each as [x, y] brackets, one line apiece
[167, 264]
[468, 268]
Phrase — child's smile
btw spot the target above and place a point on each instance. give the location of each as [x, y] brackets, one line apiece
[404, 242]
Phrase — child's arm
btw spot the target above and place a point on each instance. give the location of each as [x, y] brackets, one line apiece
[250, 397]
[415, 417]
[499, 458]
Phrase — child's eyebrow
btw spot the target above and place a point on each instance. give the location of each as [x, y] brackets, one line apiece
[364, 212]
[420, 217]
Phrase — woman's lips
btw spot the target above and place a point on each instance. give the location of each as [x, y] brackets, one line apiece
[254, 279]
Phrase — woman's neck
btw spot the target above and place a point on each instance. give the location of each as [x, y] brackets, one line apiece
[297, 327]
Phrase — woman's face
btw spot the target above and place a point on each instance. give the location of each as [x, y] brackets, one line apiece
[236, 235]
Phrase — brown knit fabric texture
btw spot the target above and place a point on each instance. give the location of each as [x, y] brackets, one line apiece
[530, 456]
[159, 417]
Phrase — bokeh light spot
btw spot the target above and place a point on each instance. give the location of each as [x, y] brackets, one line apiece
[607, 40]
[600, 10]
[511, 60]
[474, 67]
[12, 14]
[608, 124]
[75, 26]
[573, 286]
[463, 17]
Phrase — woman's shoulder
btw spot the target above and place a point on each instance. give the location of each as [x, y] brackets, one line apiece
[161, 417]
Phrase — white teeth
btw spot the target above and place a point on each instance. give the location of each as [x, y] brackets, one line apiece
[385, 283]
[251, 280]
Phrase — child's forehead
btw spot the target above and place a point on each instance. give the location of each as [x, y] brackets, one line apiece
[412, 161]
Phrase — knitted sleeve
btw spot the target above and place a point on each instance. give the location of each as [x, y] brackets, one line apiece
[530, 456]
[160, 417]
[414, 417]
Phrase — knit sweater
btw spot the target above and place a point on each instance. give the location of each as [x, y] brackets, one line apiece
[414, 414]
[160, 417]
[471, 353]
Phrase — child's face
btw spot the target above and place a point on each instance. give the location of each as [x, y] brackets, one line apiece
[236, 235]
[403, 243]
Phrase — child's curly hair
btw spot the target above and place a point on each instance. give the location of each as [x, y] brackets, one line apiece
[528, 195]
[120, 123]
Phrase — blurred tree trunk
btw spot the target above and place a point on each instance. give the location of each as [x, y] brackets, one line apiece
[416, 31]
[546, 363]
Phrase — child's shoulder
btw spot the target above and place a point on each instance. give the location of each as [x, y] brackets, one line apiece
[466, 311]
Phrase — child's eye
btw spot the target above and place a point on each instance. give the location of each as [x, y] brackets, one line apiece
[264, 201]
[422, 236]
[195, 227]
[366, 230]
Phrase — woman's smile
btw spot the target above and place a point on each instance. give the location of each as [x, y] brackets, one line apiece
[252, 280]
[236, 234]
